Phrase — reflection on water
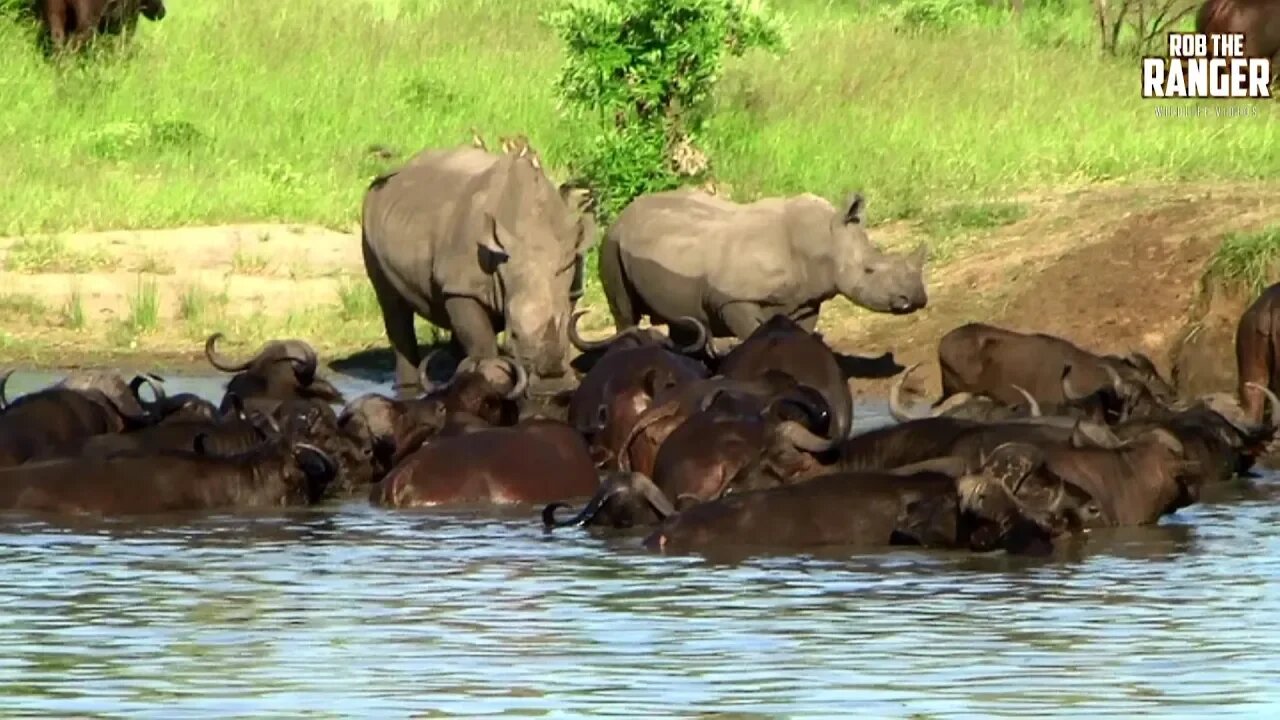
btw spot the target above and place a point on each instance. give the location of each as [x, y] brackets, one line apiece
[356, 611]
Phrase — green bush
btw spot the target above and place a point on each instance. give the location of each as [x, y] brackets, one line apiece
[646, 71]
[918, 15]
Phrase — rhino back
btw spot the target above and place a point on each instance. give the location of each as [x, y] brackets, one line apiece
[727, 251]
[415, 221]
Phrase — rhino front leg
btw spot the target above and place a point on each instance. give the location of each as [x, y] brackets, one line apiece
[742, 318]
[471, 327]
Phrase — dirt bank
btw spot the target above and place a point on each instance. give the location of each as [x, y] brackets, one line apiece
[1113, 268]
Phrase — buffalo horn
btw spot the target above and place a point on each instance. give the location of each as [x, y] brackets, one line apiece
[217, 359]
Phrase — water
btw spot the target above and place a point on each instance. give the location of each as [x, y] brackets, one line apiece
[354, 611]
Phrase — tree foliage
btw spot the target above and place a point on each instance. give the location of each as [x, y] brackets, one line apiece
[644, 71]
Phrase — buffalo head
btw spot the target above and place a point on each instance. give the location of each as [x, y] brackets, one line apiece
[124, 398]
[870, 277]
[963, 405]
[633, 337]
[279, 371]
[1123, 398]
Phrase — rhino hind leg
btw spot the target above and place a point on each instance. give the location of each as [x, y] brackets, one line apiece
[397, 319]
[471, 327]
[624, 305]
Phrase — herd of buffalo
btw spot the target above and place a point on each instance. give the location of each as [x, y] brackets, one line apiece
[1034, 438]
[731, 429]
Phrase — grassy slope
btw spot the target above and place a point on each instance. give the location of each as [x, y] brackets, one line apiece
[239, 110]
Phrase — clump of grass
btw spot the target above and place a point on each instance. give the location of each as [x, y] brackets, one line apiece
[357, 301]
[248, 263]
[144, 308]
[125, 139]
[23, 305]
[966, 218]
[156, 265]
[51, 254]
[73, 310]
[1246, 260]
[193, 304]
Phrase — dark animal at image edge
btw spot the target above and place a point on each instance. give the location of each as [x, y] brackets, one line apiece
[71, 23]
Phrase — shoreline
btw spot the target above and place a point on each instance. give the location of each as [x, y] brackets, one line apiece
[1113, 268]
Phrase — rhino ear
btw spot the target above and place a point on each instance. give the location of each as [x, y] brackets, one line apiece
[489, 242]
[855, 209]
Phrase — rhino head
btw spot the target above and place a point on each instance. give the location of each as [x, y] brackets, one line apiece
[876, 280]
[532, 241]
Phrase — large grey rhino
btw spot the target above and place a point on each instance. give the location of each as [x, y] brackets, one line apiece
[732, 266]
[476, 243]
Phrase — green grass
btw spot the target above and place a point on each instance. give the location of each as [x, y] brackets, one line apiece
[29, 307]
[949, 222]
[144, 308]
[244, 262]
[73, 316]
[51, 254]
[1246, 260]
[273, 121]
[156, 265]
[357, 301]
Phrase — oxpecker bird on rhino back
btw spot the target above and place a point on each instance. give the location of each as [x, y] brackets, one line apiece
[731, 266]
[477, 243]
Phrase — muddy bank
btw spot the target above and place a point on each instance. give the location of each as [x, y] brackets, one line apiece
[1112, 268]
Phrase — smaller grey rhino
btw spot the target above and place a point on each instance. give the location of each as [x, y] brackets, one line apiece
[732, 266]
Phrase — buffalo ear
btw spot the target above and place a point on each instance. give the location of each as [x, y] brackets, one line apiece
[489, 241]
[855, 207]
[198, 444]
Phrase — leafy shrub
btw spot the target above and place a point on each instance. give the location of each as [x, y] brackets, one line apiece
[646, 70]
[937, 15]
[119, 140]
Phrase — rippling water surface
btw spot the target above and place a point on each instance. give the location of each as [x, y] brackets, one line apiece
[359, 612]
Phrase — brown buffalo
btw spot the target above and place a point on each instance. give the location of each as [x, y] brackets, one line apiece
[620, 388]
[633, 337]
[1135, 483]
[979, 358]
[1258, 352]
[1257, 20]
[71, 23]
[925, 508]
[735, 441]
[59, 419]
[779, 344]
[970, 406]
[537, 461]
[281, 370]
[273, 474]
